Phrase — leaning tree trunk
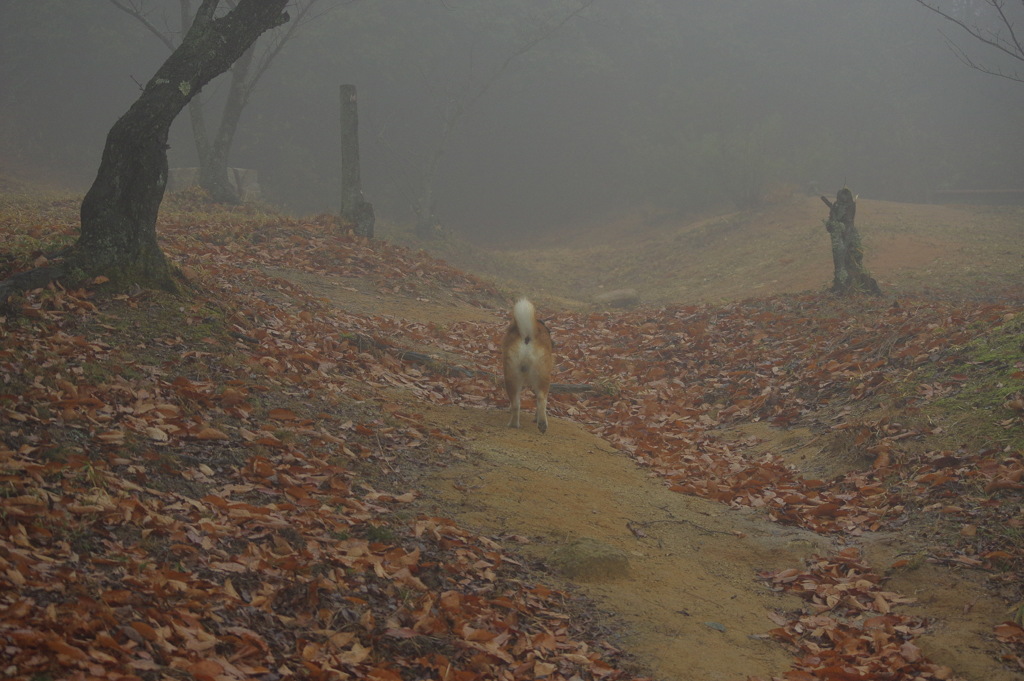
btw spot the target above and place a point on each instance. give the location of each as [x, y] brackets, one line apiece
[118, 236]
[847, 253]
[119, 211]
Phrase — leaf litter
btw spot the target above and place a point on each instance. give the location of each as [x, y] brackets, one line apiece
[201, 485]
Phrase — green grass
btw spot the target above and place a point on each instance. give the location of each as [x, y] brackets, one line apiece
[994, 371]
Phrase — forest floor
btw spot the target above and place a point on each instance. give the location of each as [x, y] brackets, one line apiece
[302, 465]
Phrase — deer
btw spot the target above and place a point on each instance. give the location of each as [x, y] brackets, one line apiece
[527, 358]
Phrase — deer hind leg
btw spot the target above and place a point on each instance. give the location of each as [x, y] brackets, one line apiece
[514, 390]
[514, 421]
[542, 409]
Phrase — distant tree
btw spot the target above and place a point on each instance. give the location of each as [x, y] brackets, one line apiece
[118, 234]
[355, 209]
[459, 103]
[995, 23]
[213, 154]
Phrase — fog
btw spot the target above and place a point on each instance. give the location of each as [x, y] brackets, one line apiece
[649, 107]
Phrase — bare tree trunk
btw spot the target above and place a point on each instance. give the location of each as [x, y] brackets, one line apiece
[119, 212]
[425, 202]
[214, 157]
[213, 165]
[847, 253]
[118, 236]
[355, 209]
[426, 221]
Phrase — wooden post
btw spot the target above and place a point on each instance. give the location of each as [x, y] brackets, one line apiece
[847, 253]
[355, 209]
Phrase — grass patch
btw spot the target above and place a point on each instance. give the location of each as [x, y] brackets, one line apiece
[992, 372]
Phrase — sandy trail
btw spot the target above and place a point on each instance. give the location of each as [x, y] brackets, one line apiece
[677, 571]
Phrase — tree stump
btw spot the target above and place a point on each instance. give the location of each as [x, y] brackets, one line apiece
[847, 252]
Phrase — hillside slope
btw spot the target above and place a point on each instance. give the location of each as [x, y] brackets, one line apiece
[301, 468]
[971, 251]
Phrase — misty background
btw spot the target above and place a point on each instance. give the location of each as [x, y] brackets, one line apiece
[658, 108]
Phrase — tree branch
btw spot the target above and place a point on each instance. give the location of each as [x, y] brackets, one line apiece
[136, 12]
[1009, 45]
[525, 47]
[274, 49]
[458, 105]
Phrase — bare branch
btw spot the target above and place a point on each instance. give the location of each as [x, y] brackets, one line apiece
[458, 102]
[134, 11]
[523, 49]
[1018, 49]
[1004, 38]
[966, 60]
[275, 48]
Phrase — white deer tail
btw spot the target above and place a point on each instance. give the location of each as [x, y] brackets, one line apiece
[525, 316]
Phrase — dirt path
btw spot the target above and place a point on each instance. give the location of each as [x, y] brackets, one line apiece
[677, 571]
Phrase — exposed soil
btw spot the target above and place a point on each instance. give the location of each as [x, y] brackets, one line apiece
[677, 573]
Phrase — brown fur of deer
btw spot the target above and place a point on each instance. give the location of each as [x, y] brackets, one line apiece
[527, 358]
